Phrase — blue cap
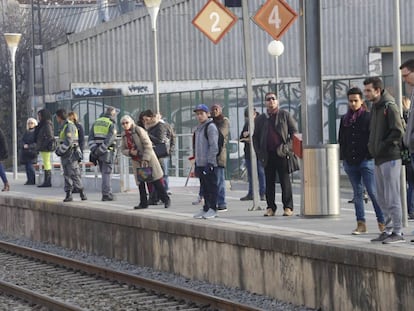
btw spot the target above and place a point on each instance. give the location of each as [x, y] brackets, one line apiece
[201, 107]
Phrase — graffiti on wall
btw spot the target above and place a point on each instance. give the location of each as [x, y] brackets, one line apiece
[137, 89]
[94, 92]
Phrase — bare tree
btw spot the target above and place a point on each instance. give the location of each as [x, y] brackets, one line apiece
[16, 19]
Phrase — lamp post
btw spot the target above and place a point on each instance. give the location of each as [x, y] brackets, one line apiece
[12, 40]
[276, 48]
[153, 7]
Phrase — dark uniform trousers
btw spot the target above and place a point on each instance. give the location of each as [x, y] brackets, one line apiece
[71, 173]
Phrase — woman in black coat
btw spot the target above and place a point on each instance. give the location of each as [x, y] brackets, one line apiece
[4, 153]
[28, 152]
[45, 143]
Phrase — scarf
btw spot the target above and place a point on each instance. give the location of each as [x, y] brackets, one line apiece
[351, 116]
[130, 144]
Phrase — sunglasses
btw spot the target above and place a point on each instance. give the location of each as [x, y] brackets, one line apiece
[270, 98]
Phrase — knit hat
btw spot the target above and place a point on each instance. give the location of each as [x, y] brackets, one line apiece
[216, 106]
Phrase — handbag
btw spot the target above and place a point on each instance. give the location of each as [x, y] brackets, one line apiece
[161, 150]
[52, 145]
[293, 163]
[405, 156]
[144, 174]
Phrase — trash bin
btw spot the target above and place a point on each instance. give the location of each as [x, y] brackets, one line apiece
[321, 181]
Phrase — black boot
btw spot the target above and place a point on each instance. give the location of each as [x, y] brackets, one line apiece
[142, 196]
[48, 180]
[68, 197]
[82, 195]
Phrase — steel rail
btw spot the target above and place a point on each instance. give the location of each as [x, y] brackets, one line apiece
[176, 291]
[36, 298]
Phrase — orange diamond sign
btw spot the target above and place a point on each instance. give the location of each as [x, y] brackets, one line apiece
[214, 20]
[275, 17]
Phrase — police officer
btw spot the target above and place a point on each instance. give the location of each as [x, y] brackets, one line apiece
[102, 146]
[69, 153]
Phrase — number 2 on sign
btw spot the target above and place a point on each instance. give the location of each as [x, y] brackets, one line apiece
[274, 17]
[215, 17]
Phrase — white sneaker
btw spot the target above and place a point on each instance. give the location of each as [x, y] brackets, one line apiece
[210, 214]
[200, 214]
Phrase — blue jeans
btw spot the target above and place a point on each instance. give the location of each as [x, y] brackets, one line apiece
[221, 185]
[165, 165]
[3, 174]
[410, 197]
[260, 175]
[358, 174]
[30, 171]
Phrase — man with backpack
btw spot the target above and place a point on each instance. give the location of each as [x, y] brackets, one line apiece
[384, 145]
[205, 153]
[223, 125]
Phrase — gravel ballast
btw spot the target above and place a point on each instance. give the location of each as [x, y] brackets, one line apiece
[232, 294]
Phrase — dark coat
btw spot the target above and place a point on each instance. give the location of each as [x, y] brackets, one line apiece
[28, 155]
[353, 139]
[159, 133]
[4, 152]
[44, 135]
[284, 125]
[386, 130]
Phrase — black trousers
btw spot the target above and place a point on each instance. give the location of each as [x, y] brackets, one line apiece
[279, 165]
[208, 184]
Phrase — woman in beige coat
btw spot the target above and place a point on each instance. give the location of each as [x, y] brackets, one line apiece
[137, 145]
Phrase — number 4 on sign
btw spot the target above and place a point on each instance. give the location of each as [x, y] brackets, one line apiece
[274, 18]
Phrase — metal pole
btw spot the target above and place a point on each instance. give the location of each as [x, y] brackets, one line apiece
[320, 173]
[277, 73]
[398, 99]
[14, 118]
[156, 92]
[248, 64]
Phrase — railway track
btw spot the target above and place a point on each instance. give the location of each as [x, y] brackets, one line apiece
[51, 282]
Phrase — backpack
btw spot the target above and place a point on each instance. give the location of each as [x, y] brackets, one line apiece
[405, 152]
[220, 137]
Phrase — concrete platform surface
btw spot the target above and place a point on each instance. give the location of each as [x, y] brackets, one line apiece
[182, 197]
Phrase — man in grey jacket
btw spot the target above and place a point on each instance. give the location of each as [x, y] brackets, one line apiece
[205, 152]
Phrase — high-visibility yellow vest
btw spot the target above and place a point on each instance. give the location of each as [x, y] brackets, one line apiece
[101, 128]
[62, 131]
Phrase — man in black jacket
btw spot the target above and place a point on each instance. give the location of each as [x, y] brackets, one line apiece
[272, 139]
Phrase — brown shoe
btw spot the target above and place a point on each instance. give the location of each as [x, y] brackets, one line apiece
[360, 229]
[287, 212]
[269, 212]
[6, 187]
[381, 227]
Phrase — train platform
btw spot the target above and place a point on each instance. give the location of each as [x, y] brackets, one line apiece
[238, 212]
[311, 261]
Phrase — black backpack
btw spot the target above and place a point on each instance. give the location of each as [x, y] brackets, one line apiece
[220, 137]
